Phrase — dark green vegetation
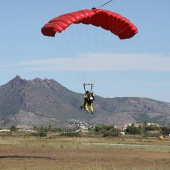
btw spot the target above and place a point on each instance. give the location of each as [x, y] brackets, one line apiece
[28, 103]
[100, 130]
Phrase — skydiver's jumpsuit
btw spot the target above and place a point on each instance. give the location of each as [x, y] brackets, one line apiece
[88, 102]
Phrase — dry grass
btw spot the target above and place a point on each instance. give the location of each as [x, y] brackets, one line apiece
[32, 153]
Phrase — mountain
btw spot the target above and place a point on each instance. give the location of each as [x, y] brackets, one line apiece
[37, 102]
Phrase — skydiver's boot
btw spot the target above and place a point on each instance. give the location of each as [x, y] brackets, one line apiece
[91, 108]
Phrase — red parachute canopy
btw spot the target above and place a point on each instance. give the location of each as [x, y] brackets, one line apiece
[107, 20]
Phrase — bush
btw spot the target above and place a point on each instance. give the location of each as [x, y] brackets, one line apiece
[152, 134]
[13, 129]
[152, 128]
[133, 130]
[112, 132]
[71, 134]
[107, 130]
[42, 134]
[166, 130]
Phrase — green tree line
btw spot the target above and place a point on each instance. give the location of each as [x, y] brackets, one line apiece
[104, 130]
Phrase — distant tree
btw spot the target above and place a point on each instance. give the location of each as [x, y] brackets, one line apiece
[98, 129]
[165, 130]
[152, 128]
[107, 130]
[13, 128]
[133, 130]
[42, 134]
[112, 132]
[104, 127]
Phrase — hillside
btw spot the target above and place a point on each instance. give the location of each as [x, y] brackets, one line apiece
[37, 102]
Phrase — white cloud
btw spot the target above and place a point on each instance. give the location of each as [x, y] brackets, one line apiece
[100, 62]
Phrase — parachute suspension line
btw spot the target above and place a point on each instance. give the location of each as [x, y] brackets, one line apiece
[106, 3]
[88, 84]
[82, 43]
[110, 17]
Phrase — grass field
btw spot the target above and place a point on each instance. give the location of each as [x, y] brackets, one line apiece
[63, 153]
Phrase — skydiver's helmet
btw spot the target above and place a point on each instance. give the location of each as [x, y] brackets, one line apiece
[87, 92]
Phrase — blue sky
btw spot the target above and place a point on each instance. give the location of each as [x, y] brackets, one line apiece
[137, 67]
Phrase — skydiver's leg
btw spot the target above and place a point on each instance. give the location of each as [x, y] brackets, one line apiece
[91, 108]
[83, 106]
[86, 107]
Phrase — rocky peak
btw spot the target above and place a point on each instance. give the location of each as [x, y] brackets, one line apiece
[17, 77]
[17, 82]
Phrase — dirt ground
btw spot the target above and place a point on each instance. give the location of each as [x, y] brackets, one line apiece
[70, 154]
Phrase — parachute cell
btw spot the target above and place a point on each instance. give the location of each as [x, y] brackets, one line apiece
[105, 19]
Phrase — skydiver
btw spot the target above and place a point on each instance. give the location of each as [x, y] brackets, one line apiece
[88, 100]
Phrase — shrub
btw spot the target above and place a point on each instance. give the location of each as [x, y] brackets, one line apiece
[13, 129]
[71, 134]
[112, 132]
[133, 130]
[166, 130]
[107, 130]
[152, 128]
[42, 134]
